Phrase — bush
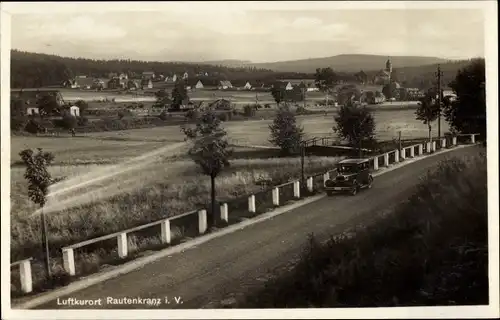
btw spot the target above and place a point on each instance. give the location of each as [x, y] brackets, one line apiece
[249, 110]
[82, 121]
[121, 115]
[18, 123]
[163, 115]
[426, 252]
[33, 126]
[267, 106]
[192, 114]
[69, 121]
[301, 110]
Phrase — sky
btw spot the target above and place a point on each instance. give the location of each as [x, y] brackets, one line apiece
[192, 33]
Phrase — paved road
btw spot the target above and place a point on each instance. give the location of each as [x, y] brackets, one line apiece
[235, 262]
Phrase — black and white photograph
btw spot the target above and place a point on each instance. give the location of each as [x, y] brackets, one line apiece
[249, 159]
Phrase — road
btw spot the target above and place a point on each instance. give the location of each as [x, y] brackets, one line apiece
[237, 262]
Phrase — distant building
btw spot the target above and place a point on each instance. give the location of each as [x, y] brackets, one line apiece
[31, 111]
[74, 111]
[146, 83]
[185, 75]
[247, 86]
[224, 84]
[199, 85]
[148, 75]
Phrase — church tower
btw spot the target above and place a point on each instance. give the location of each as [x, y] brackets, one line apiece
[388, 68]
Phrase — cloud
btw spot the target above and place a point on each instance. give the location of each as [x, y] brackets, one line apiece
[79, 27]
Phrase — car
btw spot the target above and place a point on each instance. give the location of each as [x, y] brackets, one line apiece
[353, 175]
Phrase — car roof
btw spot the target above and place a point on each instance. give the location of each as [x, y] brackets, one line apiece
[353, 161]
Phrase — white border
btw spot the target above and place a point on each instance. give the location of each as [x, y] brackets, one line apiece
[491, 55]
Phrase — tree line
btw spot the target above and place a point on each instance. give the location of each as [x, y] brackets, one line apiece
[34, 70]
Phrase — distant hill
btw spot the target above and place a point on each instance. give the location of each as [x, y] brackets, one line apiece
[228, 63]
[348, 63]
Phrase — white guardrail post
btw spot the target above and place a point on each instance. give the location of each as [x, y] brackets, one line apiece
[375, 163]
[472, 138]
[310, 184]
[433, 146]
[454, 141]
[69, 261]
[420, 149]
[202, 221]
[412, 152]
[276, 196]
[25, 276]
[326, 176]
[403, 153]
[428, 147]
[296, 189]
[224, 215]
[122, 245]
[251, 203]
[386, 159]
[443, 143]
[166, 235]
[396, 156]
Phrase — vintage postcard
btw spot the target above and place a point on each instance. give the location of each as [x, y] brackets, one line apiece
[260, 159]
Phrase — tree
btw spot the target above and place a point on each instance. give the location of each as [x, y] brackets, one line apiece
[325, 79]
[179, 95]
[428, 111]
[47, 104]
[285, 132]
[348, 93]
[162, 99]
[389, 90]
[83, 106]
[39, 180]
[277, 93]
[210, 149]
[356, 125]
[468, 113]
[69, 122]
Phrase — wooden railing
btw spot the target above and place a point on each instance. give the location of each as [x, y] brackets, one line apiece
[121, 236]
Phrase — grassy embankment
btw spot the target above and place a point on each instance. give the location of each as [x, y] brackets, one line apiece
[136, 197]
[432, 250]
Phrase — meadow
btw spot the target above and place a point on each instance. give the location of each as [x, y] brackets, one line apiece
[112, 146]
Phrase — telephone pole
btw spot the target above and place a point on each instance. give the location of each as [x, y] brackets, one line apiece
[439, 74]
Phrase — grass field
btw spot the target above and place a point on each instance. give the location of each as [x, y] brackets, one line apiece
[113, 146]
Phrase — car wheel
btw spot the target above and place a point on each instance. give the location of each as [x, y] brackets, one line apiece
[370, 182]
[354, 190]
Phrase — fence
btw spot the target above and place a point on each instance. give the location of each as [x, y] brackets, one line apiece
[121, 236]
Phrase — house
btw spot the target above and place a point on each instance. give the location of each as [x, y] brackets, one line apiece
[123, 76]
[220, 104]
[114, 83]
[31, 111]
[74, 111]
[148, 75]
[224, 84]
[147, 83]
[133, 84]
[101, 83]
[84, 83]
[199, 85]
[185, 76]
[247, 86]
[70, 83]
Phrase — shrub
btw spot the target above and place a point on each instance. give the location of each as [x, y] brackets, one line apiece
[267, 106]
[163, 115]
[18, 123]
[301, 110]
[121, 114]
[249, 110]
[82, 121]
[69, 121]
[33, 126]
[192, 114]
[222, 116]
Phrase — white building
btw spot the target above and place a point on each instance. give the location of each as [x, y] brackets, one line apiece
[74, 111]
[247, 86]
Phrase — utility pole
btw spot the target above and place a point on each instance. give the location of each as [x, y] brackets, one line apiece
[45, 245]
[399, 140]
[302, 160]
[439, 75]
